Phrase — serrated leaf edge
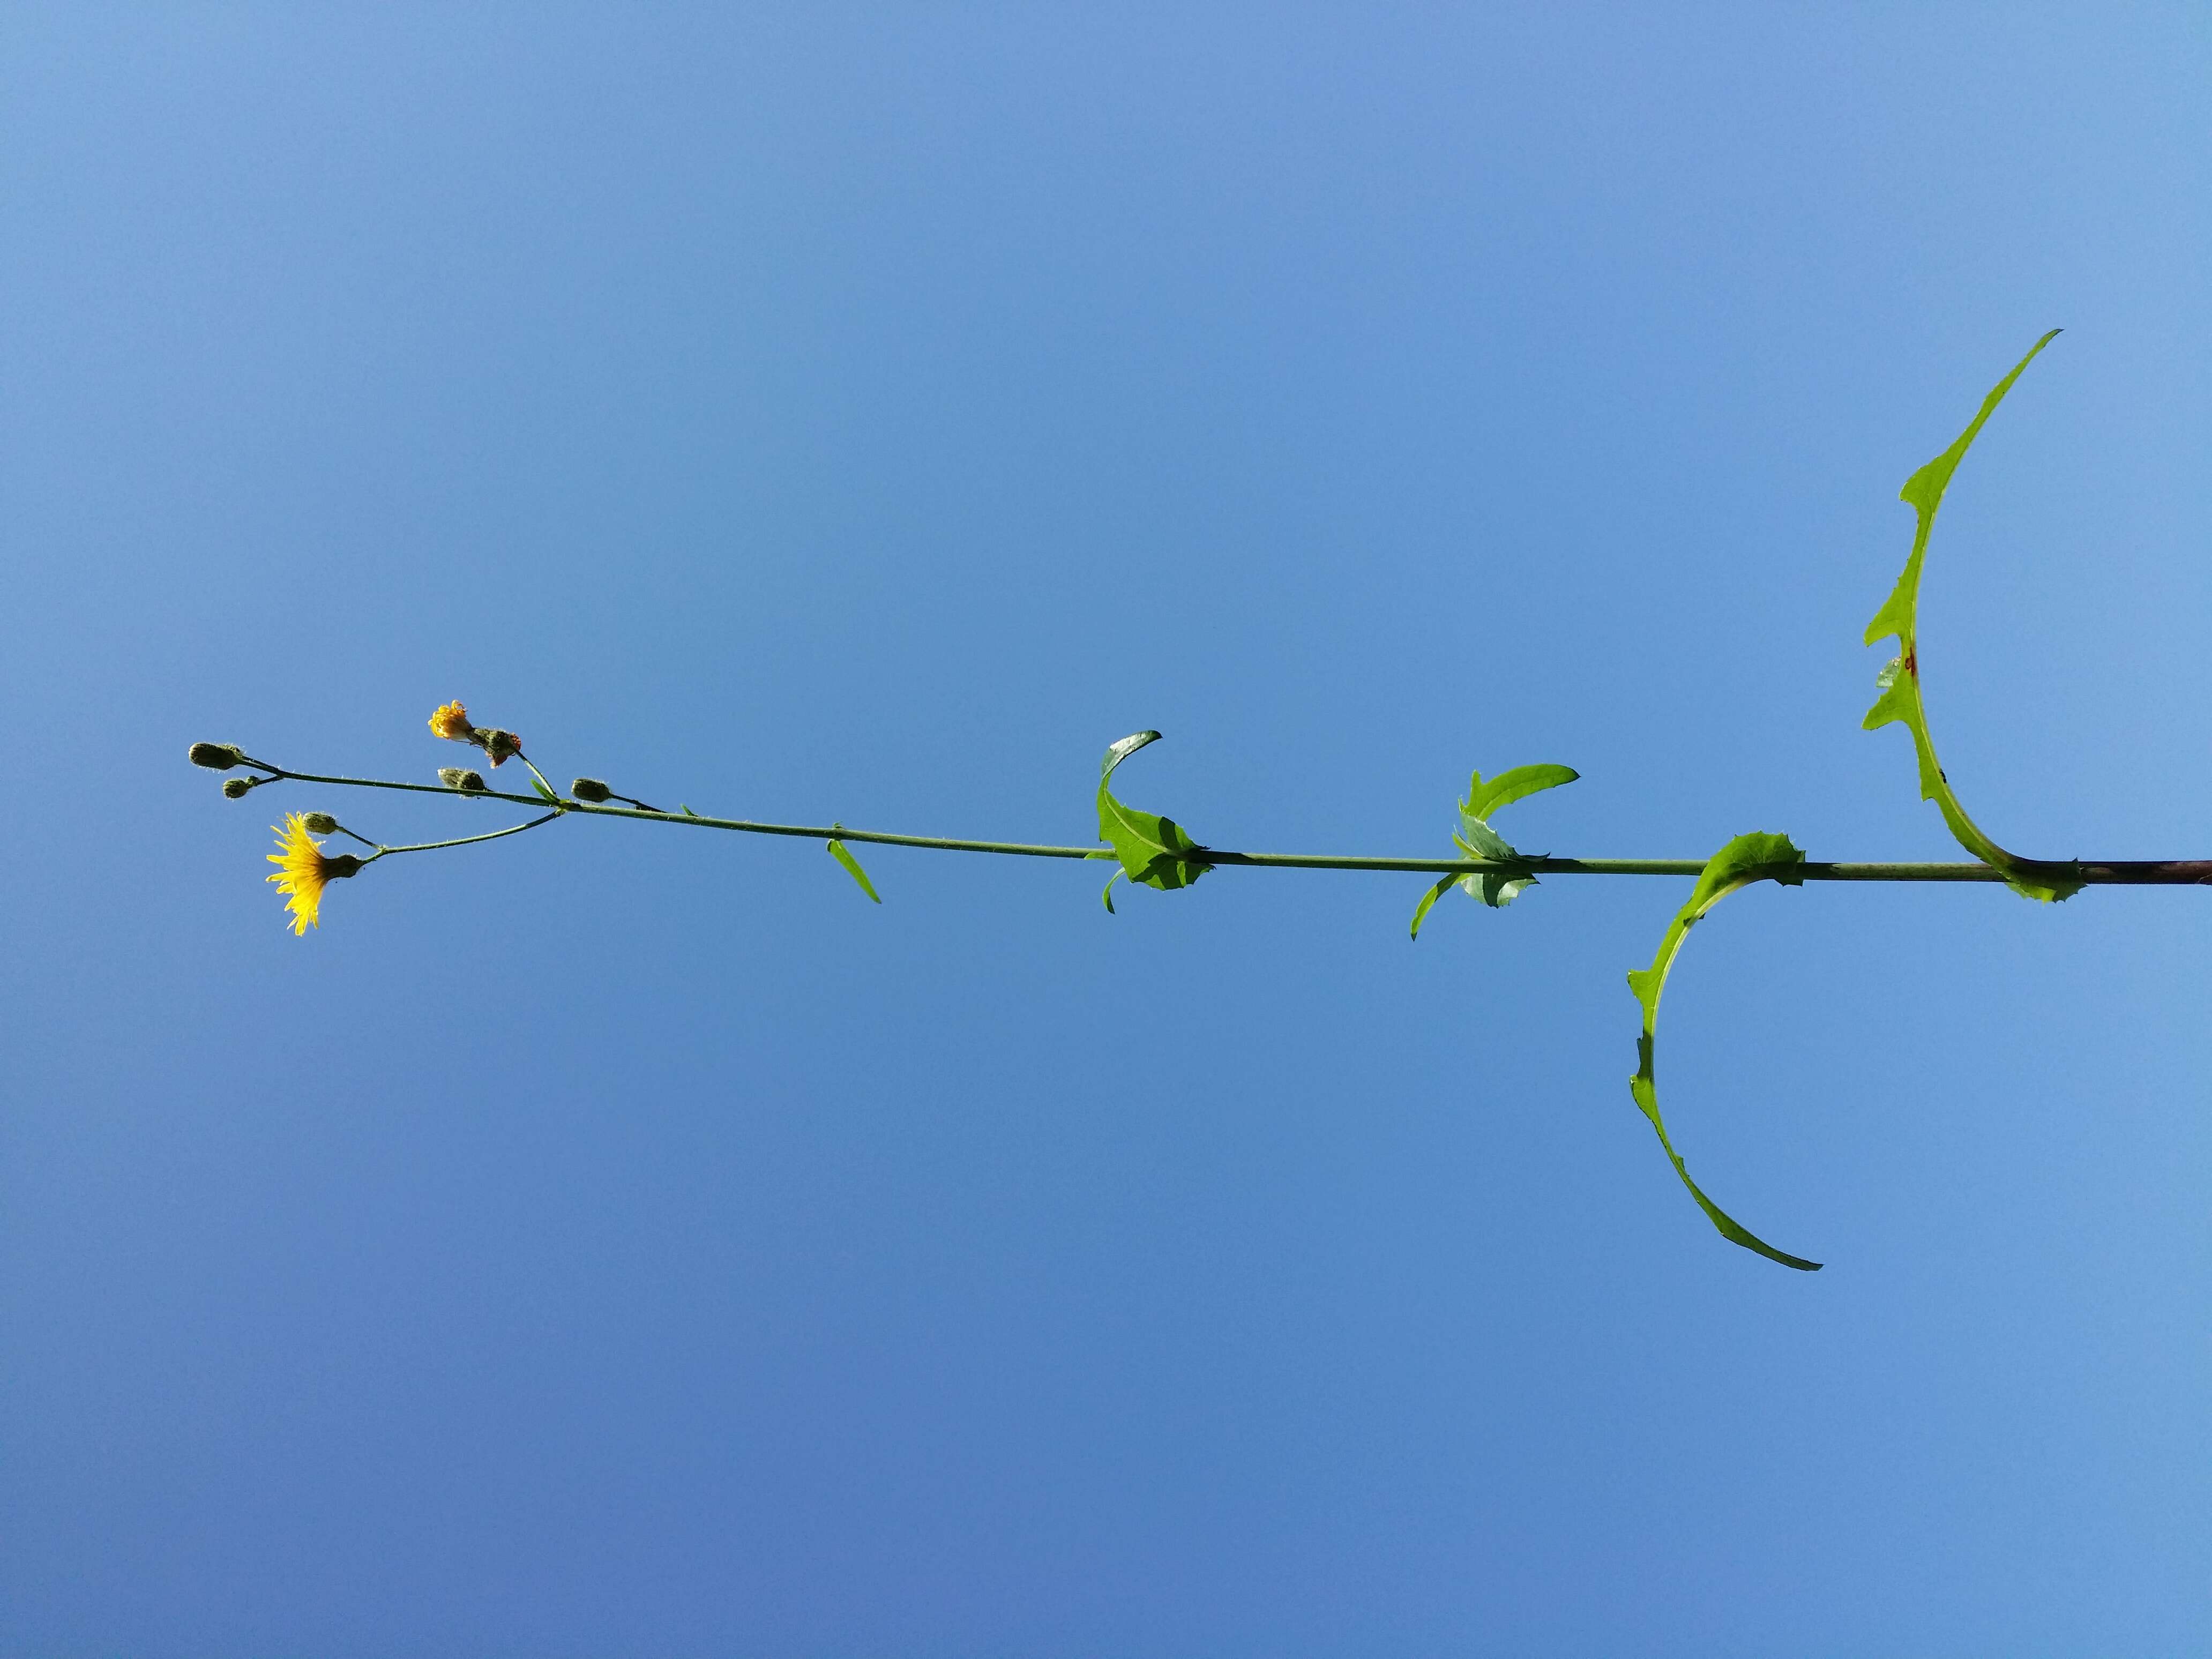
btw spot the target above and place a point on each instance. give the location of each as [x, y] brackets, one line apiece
[1899, 682]
[1745, 860]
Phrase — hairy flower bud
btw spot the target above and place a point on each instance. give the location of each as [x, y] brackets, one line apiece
[215, 757]
[239, 788]
[460, 777]
[320, 823]
[499, 746]
[590, 789]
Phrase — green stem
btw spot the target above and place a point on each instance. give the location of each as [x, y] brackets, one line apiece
[551, 791]
[2092, 872]
[465, 841]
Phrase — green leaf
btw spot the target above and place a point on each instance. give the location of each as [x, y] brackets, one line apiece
[1106, 893]
[1479, 840]
[1153, 850]
[1900, 681]
[1485, 799]
[839, 851]
[1429, 898]
[1745, 860]
[688, 812]
[539, 785]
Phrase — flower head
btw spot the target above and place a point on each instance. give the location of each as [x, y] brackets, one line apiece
[452, 723]
[302, 870]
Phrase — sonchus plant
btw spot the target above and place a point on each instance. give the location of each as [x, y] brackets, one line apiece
[1154, 851]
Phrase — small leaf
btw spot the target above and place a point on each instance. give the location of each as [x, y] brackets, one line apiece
[1485, 799]
[688, 812]
[1900, 681]
[1498, 891]
[1106, 893]
[1745, 860]
[839, 851]
[1153, 850]
[539, 785]
[1479, 840]
[1421, 910]
[1121, 752]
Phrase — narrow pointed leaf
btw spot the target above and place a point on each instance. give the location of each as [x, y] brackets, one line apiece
[1745, 860]
[1106, 893]
[1421, 910]
[1116, 753]
[1485, 799]
[1900, 681]
[843, 855]
[538, 784]
[1154, 851]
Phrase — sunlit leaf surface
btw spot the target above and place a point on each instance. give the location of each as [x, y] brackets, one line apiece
[1900, 681]
[1153, 850]
[1477, 840]
[1745, 860]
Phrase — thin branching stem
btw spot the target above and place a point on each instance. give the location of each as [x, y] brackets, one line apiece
[2093, 872]
[463, 840]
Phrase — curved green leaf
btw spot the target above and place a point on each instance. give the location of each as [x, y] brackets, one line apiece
[1421, 910]
[1521, 782]
[1900, 681]
[1153, 850]
[1479, 840]
[843, 855]
[1745, 860]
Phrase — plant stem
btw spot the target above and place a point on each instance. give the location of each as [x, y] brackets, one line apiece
[465, 841]
[2097, 872]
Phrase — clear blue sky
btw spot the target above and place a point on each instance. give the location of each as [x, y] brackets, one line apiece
[625, 1239]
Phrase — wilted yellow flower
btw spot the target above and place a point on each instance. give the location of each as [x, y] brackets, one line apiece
[302, 870]
[452, 723]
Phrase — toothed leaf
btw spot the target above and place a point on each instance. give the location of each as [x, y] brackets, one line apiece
[1479, 840]
[1153, 850]
[1899, 679]
[1745, 860]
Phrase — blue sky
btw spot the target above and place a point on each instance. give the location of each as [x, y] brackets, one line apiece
[623, 1238]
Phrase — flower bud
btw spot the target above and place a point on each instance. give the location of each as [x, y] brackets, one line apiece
[460, 777]
[499, 746]
[589, 789]
[239, 788]
[320, 823]
[215, 757]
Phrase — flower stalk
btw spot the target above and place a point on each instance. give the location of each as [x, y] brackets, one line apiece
[2092, 872]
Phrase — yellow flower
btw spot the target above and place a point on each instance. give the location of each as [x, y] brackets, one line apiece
[452, 722]
[302, 872]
